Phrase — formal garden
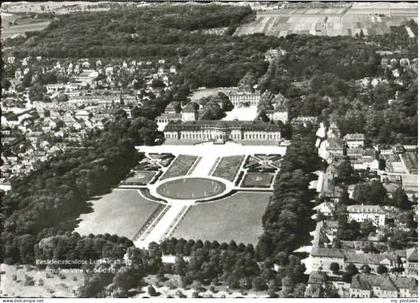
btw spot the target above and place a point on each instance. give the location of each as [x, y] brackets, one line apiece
[257, 180]
[148, 169]
[228, 167]
[180, 166]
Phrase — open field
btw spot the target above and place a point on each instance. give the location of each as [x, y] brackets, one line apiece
[257, 180]
[51, 284]
[121, 212]
[237, 217]
[371, 18]
[205, 92]
[180, 166]
[228, 167]
[241, 113]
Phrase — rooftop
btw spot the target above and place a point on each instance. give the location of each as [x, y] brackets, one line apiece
[244, 125]
[375, 209]
[368, 281]
[354, 137]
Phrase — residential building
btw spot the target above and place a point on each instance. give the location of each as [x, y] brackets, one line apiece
[190, 112]
[411, 266]
[279, 113]
[369, 285]
[355, 140]
[240, 98]
[316, 282]
[359, 213]
[305, 120]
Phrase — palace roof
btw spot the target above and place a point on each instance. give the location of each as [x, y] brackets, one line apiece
[202, 124]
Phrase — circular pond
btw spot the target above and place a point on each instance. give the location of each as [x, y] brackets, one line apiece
[190, 188]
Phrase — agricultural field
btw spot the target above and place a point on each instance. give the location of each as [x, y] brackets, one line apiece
[228, 167]
[237, 217]
[370, 18]
[180, 166]
[122, 212]
[257, 180]
[23, 24]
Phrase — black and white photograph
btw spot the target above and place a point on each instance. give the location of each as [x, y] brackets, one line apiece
[209, 149]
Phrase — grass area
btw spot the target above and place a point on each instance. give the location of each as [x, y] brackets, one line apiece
[121, 212]
[139, 178]
[257, 180]
[237, 217]
[15, 284]
[228, 167]
[202, 93]
[180, 166]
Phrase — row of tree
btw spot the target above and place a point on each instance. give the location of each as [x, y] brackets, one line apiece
[287, 219]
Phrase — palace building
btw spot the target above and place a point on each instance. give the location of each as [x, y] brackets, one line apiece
[222, 131]
[240, 98]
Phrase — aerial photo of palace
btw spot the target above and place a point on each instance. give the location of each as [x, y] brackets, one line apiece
[209, 150]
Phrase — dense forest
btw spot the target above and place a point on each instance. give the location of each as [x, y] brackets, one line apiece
[165, 31]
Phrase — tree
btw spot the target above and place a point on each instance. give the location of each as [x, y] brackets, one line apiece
[258, 284]
[400, 199]
[334, 267]
[372, 193]
[351, 269]
[157, 83]
[367, 227]
[127, 278]
[5, 83]
[366, 269]
[345, 171]
[152, 291]
[180, 265]
[381, 269]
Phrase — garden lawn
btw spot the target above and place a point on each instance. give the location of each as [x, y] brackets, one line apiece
[180, 166]
[237, 218]
[140, 178]
[257, 180]
[122, 212]
[228, 167]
